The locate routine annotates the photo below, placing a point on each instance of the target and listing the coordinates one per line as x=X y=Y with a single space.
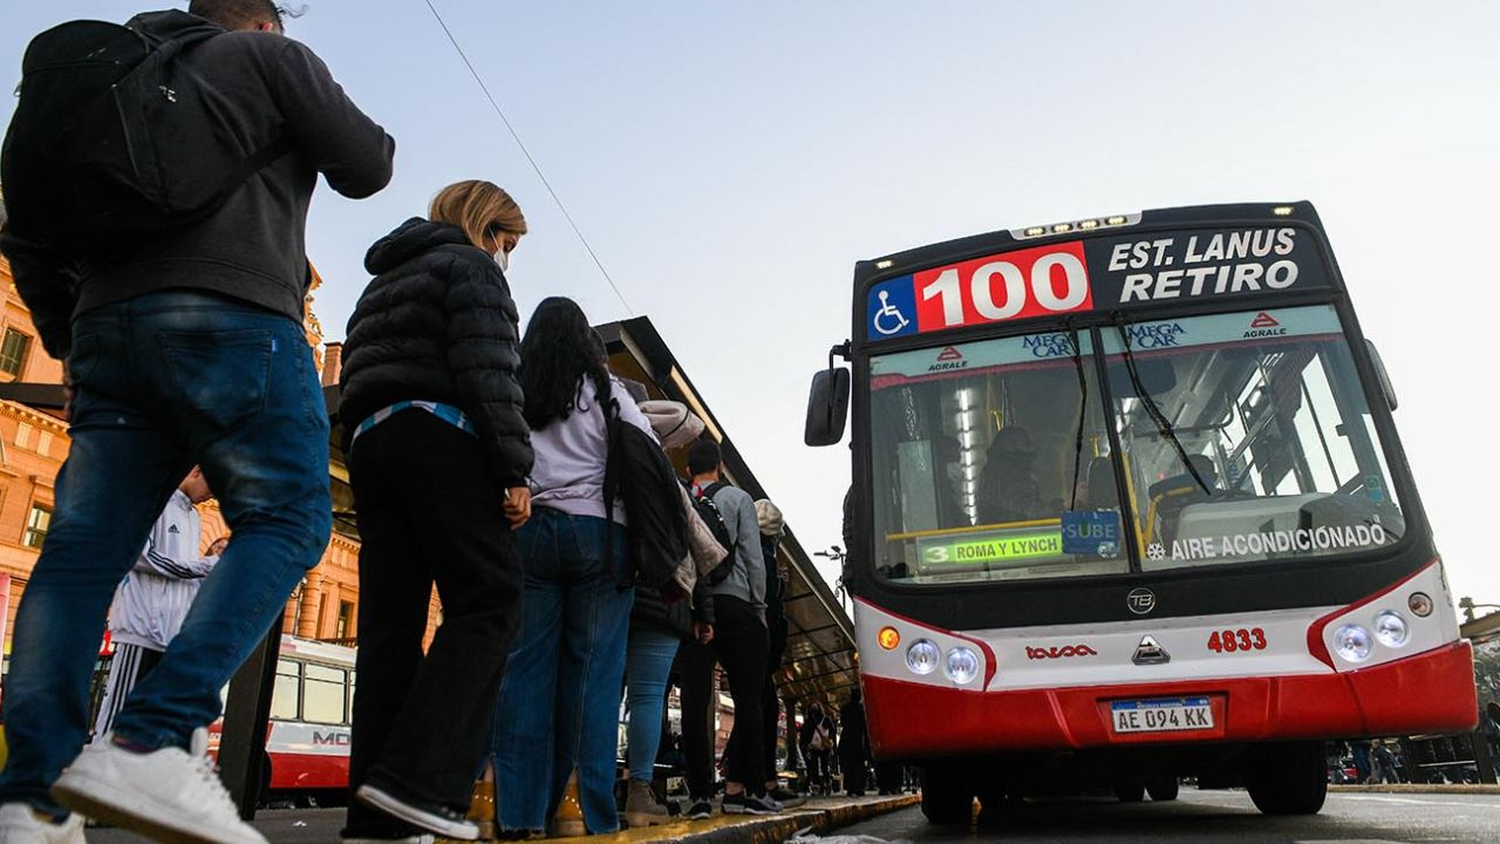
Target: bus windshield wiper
x=1163 y=425
x=1083 y=411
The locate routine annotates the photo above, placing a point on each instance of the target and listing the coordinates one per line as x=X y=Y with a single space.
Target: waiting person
x=854 y=744
x=437 y=446
x=560 y=700
x=772 y=526
x=188 y=349
x=739 y=643
x=658 y=625
x=817 y=740
x=154 y=598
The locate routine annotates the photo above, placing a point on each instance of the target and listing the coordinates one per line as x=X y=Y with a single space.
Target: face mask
x=502 y=259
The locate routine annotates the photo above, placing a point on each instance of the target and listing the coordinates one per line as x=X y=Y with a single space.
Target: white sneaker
x=169 y=794
x=410 y=839
x=20 y=825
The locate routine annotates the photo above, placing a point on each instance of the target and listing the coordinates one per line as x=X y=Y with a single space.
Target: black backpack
x=709 y=513
x=113 y=140
x=639 y=473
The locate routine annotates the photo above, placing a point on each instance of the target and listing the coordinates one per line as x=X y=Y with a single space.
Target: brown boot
x=482 y=809
x=568 y=822
x=641 y=808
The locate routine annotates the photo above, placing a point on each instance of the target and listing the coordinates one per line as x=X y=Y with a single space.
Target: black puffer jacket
x=437 y=323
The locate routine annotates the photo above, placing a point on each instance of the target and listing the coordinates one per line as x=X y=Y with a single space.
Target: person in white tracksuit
x=153 y=599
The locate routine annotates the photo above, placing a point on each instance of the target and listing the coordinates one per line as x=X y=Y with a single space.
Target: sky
x=729 y=162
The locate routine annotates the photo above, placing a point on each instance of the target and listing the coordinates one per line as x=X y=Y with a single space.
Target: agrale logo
x=1060 y=653
x=948 y=359
x=1264 y=325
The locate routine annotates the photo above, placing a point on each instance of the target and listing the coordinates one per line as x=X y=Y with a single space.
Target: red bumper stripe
x=1431 y=692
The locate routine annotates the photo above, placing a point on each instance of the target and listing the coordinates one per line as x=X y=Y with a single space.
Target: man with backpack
x=202 y=134
x=740 y=644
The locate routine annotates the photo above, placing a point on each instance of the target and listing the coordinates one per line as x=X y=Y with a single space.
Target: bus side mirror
x=1382 y=376
x=827 y=407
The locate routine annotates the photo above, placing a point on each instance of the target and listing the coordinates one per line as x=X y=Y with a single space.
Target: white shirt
x=155 y=596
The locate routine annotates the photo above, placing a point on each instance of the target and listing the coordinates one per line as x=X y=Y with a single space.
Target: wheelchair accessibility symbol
x=889 y=320
x=891 y=309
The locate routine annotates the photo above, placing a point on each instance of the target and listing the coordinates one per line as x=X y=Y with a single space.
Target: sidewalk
x=321 y=826
x=1420 y=788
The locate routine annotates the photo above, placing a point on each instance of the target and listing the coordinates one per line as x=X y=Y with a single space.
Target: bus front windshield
x=1247 y=436
x=976 y=448
x=1243 y=437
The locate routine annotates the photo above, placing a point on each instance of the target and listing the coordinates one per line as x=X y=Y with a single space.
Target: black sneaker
x=443 y=820
x=701 y=810
x=745 y=803
x=787 y=798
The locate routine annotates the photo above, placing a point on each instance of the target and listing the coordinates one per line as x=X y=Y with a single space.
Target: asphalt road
x=1216 y=816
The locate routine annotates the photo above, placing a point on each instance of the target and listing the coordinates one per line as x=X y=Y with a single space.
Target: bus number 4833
x=1229 y=641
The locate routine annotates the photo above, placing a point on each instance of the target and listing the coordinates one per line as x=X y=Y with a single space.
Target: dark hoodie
x=437 y=323
x=264 y=87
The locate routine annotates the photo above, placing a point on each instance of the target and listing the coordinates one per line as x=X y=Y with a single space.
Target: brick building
x=34 y=442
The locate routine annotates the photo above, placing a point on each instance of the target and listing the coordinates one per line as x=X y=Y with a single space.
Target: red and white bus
x=1129 y=505
x=307 y=742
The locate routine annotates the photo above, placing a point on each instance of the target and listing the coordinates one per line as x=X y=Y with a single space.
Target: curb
x=1418 y=788
x=772 y=830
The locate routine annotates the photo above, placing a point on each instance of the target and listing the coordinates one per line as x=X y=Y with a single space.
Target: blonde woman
x=438 y=448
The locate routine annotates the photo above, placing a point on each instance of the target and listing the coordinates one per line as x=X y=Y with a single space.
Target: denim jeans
x=166 y=381
x=648 y=663
x=559 y=703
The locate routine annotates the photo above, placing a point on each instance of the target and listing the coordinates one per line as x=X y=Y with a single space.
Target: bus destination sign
x=1103 y=274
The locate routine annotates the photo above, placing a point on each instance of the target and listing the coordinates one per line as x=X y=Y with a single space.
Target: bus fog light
x=1391 y=629
x=1420 y=604
x=1351 y=641
x=922 y=657
x=963 y=666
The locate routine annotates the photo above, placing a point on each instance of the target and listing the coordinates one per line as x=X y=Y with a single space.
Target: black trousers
x=853 y=762
x=740 y=645
x=770 y=700
x=430 y=511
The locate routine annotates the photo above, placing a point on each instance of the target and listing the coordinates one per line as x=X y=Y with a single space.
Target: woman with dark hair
x=438 y=450
x=560 y=700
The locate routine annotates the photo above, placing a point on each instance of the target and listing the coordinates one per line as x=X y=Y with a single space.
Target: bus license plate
x=1151 y=716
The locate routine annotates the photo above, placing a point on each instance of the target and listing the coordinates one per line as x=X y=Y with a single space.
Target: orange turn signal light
x=889 y=638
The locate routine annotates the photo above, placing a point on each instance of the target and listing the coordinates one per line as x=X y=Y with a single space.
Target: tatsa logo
x=1060 y=653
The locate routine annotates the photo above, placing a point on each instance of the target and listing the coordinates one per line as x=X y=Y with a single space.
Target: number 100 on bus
x=1025 y=283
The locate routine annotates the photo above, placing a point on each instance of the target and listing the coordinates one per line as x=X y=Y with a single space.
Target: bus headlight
x=963 y=666
x=1352 y=642
x=1391 y=629
x=922 y=657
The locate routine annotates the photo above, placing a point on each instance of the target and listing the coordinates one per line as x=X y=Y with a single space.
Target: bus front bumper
x=1432 y=692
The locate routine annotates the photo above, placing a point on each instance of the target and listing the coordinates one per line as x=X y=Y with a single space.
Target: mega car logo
x=1048 y=345
x=1155 y=335
x=1141 y=601
x=949 y=359
x=1264 y=325
x=1060 y=653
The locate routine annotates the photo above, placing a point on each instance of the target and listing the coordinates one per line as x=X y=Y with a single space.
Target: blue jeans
x=166 y=381
x=560 y=700
x=648 y=664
